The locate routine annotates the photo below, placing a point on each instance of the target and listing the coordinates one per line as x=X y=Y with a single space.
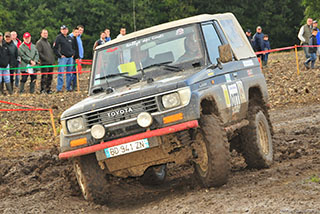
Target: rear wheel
x=212 y=164
x=91 y=178
x=154 y=175
x=257 y=139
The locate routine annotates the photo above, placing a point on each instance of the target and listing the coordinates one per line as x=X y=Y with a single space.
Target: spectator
x=76 y=56
x=29 y=57
x=4 y=66
x=304 y=35
x=266 y=45
x=100 y=41
x=63 y=49
x=107 y=32
x=46 y=56
x=312 y=50
x=249 y=37
x=315 y=25
x=13 y=50
x=122 y=32
x=258 y=41
x=15 y=39
x=17 y=42
x=79 y=40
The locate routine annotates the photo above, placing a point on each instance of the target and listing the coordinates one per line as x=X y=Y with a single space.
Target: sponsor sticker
x=241 y=92
x=247 y=63
x=226 y=95
x=228 y=77
x=235 y=98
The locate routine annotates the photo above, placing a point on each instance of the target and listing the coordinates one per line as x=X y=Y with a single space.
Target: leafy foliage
x=280 y=19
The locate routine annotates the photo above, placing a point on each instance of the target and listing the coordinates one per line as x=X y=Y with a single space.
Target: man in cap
x=46 y=58
x=4 y=66
x=63 y=49
x=249 y=37
x=29 y=58
x=304 y=35
x=13 y=56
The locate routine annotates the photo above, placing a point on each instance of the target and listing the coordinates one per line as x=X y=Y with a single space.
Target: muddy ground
x=34 y=180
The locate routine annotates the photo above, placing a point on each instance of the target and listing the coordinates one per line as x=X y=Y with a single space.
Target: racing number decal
x=234 y=95
x=235 y=98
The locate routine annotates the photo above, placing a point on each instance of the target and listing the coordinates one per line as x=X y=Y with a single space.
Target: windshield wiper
x=165 y=64
x=119 y=75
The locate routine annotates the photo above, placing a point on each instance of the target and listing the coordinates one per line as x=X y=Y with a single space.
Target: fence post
x=297 y=59
x=52 y=122
x=77 y=70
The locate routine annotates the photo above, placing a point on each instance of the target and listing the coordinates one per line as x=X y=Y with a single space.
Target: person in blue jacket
x=315 y=25
x=257 y=41
x=266 y=46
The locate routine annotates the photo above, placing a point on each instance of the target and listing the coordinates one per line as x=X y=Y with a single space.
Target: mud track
x=34 y=180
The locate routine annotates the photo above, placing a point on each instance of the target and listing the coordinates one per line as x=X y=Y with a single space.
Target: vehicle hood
x=127 y=93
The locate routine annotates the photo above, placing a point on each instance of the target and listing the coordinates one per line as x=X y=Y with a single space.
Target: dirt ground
x=34 y=180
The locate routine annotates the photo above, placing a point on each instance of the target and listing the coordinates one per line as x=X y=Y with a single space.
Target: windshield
x=146 y=54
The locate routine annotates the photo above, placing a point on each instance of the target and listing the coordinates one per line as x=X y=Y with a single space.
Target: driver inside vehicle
x=141 y=56
x=192 y=48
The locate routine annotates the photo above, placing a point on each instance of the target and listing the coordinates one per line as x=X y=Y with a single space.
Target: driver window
x=212 y=41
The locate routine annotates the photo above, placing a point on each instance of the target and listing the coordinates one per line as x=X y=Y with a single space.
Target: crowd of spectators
x=27 y=58
x=259 y=42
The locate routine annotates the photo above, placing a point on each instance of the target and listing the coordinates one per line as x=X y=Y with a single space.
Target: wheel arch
x=208 y=105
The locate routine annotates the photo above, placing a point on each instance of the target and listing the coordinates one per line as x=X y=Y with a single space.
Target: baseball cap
x=26 y=35
x=249 y=31
x=1 y=34
x=315 y=21
x=63 y=27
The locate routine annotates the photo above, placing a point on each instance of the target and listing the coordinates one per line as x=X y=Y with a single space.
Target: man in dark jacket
x=63 y=49
x=46 y=56
x=4 y=66
x=13 y=56
x=249 y=37
x=258 y=41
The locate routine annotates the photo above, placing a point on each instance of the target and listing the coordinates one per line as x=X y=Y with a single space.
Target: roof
x=161 y=27
x=228 y=22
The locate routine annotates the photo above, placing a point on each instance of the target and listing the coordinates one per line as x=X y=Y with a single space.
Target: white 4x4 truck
x=183 y=92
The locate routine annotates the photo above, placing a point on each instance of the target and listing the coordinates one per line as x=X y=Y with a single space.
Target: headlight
x=75 y=125
x=171 y=100
x=98 y=131
x=181 y=97
x=144 y=119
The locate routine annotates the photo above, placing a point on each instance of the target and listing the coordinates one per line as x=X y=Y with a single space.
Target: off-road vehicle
x=183 y=92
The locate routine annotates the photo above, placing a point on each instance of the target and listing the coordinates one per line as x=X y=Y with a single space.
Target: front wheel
x=257 y=139
x=91 y=178
x=212 y=163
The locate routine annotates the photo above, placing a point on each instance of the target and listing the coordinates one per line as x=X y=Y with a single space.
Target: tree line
x=281 y=20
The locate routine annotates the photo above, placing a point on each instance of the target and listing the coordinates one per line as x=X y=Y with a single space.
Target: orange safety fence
x=30 y=108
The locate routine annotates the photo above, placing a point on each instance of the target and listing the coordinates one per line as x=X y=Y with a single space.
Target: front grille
x=122 y=112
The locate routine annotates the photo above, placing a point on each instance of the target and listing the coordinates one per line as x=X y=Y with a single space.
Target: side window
x=212 y=41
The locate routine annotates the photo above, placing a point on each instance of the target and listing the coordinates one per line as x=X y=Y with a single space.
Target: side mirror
x=225 y=53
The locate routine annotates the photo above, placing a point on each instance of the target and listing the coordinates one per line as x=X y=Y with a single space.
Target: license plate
x=126 y=148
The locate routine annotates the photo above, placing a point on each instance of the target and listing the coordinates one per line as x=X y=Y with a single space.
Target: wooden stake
x=52 y=122
x=297 y=59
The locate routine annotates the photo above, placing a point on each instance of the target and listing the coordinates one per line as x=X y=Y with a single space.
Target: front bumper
x=116 y=142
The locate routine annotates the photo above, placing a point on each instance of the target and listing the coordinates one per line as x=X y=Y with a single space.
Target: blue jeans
x=6 y=73
x=312 y=59
x=64 y=61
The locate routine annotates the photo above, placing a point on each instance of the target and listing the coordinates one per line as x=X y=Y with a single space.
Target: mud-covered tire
x=91 y=178
x=213 y=168
x=256 y=139
x=154 y=175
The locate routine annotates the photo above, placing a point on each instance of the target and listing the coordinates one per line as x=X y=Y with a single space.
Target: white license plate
x=126 y=148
